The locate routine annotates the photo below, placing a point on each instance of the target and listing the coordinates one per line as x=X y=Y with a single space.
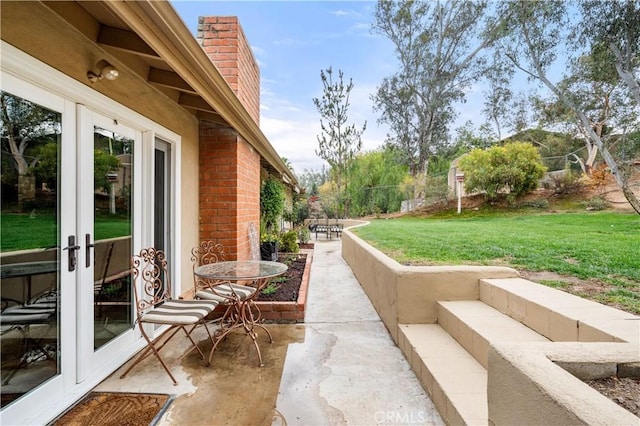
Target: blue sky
x=292 y=41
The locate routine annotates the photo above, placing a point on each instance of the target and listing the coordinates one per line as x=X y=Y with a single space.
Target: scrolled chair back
x=150 y=267
x=208 y=252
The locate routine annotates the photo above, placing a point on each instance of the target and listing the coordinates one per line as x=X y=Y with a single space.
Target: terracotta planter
x=292 y=311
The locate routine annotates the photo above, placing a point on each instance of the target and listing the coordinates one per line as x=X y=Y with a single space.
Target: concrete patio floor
x=339 y=367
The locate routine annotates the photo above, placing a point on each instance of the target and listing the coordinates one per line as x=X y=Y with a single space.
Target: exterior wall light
x=107 y=71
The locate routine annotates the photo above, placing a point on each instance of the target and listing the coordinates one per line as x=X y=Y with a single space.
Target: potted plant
x=269 y=246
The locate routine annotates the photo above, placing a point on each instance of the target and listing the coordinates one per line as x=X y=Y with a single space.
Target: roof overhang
x=151 y=36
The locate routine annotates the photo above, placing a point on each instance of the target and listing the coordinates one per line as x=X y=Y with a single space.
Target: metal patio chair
x=156 y=306
x=41 y=311
x=225 y=293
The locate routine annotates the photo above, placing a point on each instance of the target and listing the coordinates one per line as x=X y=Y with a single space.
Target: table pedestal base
x=241 y=316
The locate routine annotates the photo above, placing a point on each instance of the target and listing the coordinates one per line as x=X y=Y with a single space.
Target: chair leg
x=28 y=344
x=164 y=339
x=193 y=343
x=20 y=362
x=152 y=348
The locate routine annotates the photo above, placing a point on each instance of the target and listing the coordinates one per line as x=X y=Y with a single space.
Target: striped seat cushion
x=180 y=312
x=28 y=314
x=224 y=292
x=38 y=311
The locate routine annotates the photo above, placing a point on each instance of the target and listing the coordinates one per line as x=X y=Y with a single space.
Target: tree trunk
x=26 y=189
x=592 y=152
x=625 y=74
x=630 y=196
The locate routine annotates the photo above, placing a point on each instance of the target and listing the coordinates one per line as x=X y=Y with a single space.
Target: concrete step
x=453 y=379
x=475 y=325
x=560 y=316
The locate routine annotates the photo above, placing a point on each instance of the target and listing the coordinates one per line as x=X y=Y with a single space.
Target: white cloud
x=293 y=129
x=294 y=138
x=360 y=26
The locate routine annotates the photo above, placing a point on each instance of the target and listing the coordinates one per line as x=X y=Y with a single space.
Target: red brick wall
x=248 y=195
x=229 y=189
x=223 y=40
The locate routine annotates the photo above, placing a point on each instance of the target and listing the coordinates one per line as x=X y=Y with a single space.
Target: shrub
x=304 y=235
x=568 y=182
x=597 y=203
x=289 y=242
x=436 y=188
x=514 y=169
x=541 y=204
x=598 y=177
x=271 y=203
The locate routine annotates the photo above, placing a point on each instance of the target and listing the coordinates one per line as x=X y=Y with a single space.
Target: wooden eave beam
x=212 y=117
x=195 y=102
x=158 y=24
x=169 y=79
x=127 y=41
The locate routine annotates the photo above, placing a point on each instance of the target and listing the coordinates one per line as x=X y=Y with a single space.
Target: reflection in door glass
x=112 y=232
x=29 y=244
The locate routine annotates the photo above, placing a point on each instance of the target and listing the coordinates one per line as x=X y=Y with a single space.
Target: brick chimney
x=223 y=40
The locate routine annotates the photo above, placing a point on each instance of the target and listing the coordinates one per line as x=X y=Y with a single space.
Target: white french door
x=108 y=154
x=72 y=216
x=38 y=251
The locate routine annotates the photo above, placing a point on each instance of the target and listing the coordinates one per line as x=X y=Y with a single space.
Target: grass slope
x=604 y=246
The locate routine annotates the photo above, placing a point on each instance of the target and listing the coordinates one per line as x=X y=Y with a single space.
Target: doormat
x=116 y=409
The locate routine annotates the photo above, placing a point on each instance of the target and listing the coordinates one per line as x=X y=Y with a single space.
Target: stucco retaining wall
x=408 y=294
x=527 y=383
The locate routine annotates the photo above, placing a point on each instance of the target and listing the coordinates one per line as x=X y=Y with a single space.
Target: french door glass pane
x=113 y=159
x=29 y=246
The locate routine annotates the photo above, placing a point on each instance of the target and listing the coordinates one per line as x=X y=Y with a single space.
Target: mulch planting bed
x=287 y=285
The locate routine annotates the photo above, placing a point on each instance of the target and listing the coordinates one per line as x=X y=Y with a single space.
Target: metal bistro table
x=244 y=313
x=27 y=270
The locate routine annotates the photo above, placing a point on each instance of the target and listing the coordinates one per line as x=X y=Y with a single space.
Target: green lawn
x=604 y=246
x=24 y=231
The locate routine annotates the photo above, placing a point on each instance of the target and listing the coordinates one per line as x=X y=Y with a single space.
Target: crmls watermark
x=400 y=417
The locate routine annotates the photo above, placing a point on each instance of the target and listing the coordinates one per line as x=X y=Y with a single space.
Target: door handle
x=88 y=247
x=72 y=247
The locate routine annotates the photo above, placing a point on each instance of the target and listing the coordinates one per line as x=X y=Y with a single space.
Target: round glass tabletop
x=241 y=270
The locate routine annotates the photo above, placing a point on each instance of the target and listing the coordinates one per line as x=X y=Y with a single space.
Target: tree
x=339 y=141
x=558 y=150
x=375 y=182
x=468 y=138
x=514 y=169
x=311 y=179
x=24 y=124
x=519 y=117
x=593 y=85
x=103 y=164
x=46 y=168
x=536 y=33
x=616 y=24
x=438 y=45
x=287 y=163
x=328 y=193
x=499 y=94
